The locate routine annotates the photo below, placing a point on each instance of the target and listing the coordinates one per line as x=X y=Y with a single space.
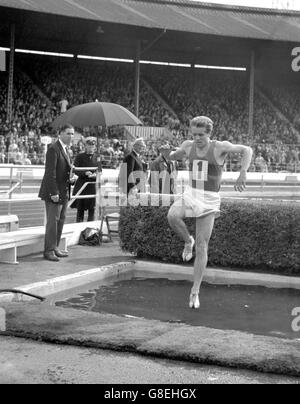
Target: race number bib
x=200 y=170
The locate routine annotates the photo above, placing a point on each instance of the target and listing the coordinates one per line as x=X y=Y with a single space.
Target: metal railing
x=15 y=183
x=100 y=210
x=16 y=176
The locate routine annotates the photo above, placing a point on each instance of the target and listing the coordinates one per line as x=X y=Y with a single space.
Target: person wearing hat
x=163 y=172
x=86 y=159
x=201 y=198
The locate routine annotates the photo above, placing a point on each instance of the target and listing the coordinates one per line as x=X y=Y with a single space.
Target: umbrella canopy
x=96 y=114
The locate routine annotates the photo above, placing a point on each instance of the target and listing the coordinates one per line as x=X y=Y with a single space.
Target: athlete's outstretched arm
x=246 y=154
x=180 y=153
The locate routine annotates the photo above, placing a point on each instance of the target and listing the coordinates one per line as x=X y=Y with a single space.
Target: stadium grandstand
x=165 y=60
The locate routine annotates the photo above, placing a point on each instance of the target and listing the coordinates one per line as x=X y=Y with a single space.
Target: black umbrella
x=97 y=114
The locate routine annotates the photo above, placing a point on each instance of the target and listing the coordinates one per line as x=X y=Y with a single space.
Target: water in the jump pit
x=257 y=310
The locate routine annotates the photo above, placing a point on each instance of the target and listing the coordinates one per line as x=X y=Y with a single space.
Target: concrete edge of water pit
x=68 y=282
x=218 y=276
x=150 y=269
x=147 y=337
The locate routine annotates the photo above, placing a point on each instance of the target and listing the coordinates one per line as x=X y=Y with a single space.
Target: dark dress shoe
x=51 y=257
x=60 y=254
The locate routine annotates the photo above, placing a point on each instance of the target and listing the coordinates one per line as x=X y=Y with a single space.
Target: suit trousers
x=56 y=215
x=80 y=215
x=82 y=205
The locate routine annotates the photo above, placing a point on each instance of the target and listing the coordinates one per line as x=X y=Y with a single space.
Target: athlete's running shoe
x=187 y=254
x=194 y=301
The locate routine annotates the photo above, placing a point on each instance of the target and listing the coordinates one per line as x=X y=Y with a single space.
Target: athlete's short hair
x=202 y=122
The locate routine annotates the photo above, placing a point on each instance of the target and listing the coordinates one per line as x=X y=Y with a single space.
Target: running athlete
x=201 y=198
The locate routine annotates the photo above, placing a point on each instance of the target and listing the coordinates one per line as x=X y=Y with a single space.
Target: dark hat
x=91 y=140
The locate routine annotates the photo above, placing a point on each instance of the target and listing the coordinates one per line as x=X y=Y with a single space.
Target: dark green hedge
x=250 y=235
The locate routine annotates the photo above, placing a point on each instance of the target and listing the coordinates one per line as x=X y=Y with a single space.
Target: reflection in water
x=84 y=301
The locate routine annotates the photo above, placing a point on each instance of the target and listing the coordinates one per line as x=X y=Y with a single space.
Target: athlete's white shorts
x=199 y=203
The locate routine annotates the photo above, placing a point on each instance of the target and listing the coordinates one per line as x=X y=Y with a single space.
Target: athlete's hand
x=165 y=150
x=240 y=184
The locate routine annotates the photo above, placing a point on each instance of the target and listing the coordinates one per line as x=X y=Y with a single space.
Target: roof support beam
x=154 y=41
x=137 y=78
x=251 y=95
x=11 y=73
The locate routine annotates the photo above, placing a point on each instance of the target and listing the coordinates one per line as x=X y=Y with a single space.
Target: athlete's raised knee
x=174 y=215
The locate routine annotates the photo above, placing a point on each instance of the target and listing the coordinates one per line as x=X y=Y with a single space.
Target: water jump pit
x=253 y=309
x=146 y=312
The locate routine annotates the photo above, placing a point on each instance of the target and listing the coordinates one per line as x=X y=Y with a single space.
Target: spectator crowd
x=169 y=97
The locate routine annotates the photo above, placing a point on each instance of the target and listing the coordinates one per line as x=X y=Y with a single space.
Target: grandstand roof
x=177 y=15
x=179 y=31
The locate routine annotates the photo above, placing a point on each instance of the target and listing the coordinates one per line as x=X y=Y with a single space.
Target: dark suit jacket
x=135 y=167
x=160 y=183
x=56 y=179
x=85 y=160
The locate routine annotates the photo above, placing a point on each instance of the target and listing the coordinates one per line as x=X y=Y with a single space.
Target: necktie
x=68 y=154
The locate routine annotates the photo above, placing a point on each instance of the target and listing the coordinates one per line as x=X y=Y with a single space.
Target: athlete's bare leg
x=204 y=227
x=175 y=218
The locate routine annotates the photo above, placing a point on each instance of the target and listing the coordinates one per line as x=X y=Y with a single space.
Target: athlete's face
x=200 y=136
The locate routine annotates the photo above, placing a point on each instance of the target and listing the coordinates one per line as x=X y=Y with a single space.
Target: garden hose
x=23 y=293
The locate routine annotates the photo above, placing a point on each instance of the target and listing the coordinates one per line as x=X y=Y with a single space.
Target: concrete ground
x=198 y=349
x=35 y=269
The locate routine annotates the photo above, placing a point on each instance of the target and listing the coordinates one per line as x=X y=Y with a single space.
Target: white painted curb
x=219 y=276
x=150 y=270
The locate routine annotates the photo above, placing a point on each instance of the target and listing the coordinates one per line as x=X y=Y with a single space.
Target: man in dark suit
x=133 y=171
x=55 y=191
x=86 y=159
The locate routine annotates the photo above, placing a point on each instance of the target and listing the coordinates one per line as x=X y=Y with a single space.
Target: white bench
x=8 y=251
x=25 y=242
x=292 y=179
x=9 y=223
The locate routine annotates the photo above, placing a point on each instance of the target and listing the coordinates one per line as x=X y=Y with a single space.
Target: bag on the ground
x=91 y=237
